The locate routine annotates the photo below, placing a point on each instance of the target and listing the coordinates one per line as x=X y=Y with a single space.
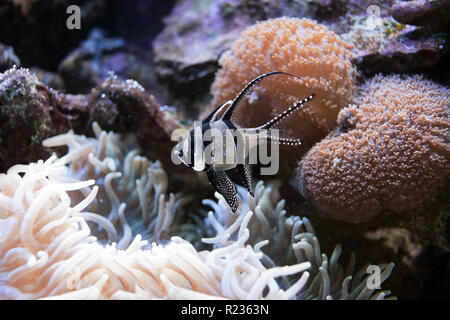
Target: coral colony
x=302 y=47
x=93 y=205
x=399 y=130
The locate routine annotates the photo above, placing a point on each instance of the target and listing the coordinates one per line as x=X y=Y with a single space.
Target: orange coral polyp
x=298 y=46
x=389 y=153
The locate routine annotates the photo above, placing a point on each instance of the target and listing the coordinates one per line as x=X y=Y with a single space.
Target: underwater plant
x=389 y=152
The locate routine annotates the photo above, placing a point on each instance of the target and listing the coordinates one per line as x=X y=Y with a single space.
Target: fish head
x=189 y=149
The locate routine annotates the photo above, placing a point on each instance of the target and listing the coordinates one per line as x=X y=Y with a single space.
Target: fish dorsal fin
x=285 y=141
x=286 y=113
x=279 y=140
x=213 y=115
x=229 y=113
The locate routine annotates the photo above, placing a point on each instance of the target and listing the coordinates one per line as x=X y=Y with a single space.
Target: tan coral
x=390 y=153
x=298 y=46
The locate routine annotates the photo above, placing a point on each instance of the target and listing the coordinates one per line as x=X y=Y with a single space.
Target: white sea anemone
x=290 y=240
x=47 y=249
x=59 y=236
x=131 y=186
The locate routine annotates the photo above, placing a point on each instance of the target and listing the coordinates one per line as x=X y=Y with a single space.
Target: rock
x=91 y=63
x=28 y=114
x=37 y=29
x=198 y=31
x=124 y=106
x=75 y=108
x=82 y=69
x=146 y=17
x=384 y=45
x=402 y=55
x=31 y=112
x=422 y=12
x=50 y=79
x=8 y=58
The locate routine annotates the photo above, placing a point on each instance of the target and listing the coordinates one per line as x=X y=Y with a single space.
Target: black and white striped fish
x=196 y=148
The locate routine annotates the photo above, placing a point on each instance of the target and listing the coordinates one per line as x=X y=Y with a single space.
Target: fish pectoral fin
x=245 y=171
x=223 y=184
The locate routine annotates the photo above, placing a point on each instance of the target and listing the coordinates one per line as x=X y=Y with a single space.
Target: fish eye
x=180 y=153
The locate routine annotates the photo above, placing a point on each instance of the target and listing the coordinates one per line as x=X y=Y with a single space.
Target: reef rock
x=28 y=114
x=50 y=79
x=31 y=112
x=75 y=108
x=8 y=58
x=187 y=57
x=81 y=69
x=422 y=12
x=90 y=64
x=402 y=55
x=126 y=107
x=384 y=45
x=38 y=32
x=197 y=32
